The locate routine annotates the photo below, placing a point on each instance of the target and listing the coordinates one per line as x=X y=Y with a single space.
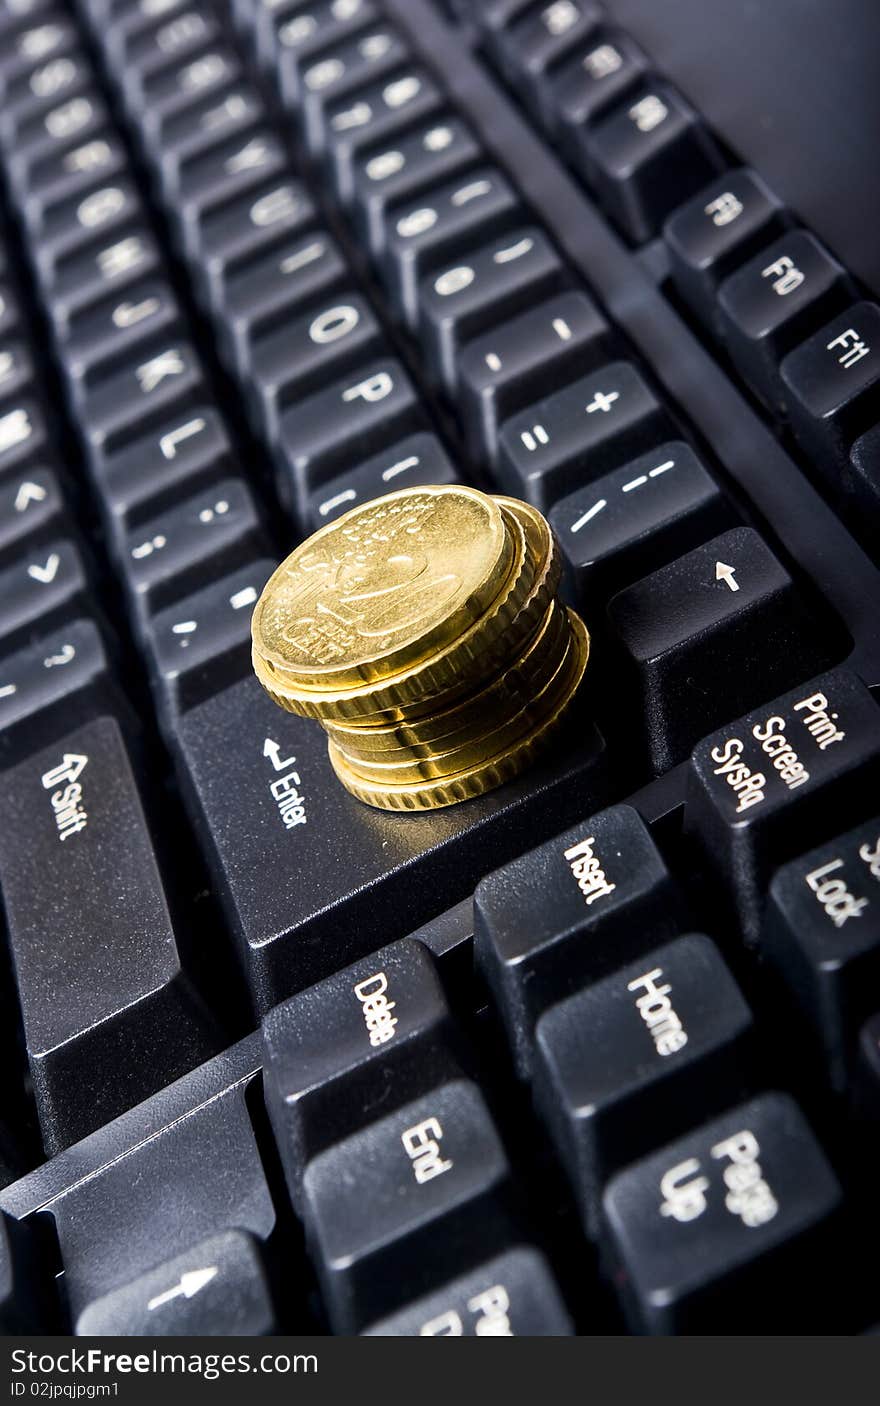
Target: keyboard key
x=211 y=183
x=385 y=175
x=573 y=436
x=307 y=351
x=446 y=221
x=318 y=917
x=172 y=137
x=730 y=598
x=31 y=507
x=302 y=38
x=822 y=933
x=419 y=459
x=23 y=437
x=638 y=1058
x=167 y=381
x=218 y=1288
x=102 y=334
x=510 y=1296
x=270 y=290
x=206 y=536
x=319 y=437
x=563 y=915
x=832 y=384
x=338 y=71
x=163 y=467
x=503 y=369
x=539 y=41
x=492 y=284
x=719 y=229
x=394 y=1208
x=374 y=1036
x=770 y=786
x=43 y=587
x=636 y=519
x=108 y=1014
x=203 y=1169
x=371 y=115
x=235 y=235
x=16 y=370
x=861 y=477
x=83 y=278
x=646 y=158
x=202 y=643
x=728 y=1227
x=73 y=223
x=68 y=172
x=64 y=674
x=774 y=301
x=605 y=68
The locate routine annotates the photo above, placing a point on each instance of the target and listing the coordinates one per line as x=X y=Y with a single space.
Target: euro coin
x=424 y=632
x=382 y=587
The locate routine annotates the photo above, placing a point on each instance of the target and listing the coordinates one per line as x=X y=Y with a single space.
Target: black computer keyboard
x=599 y=1051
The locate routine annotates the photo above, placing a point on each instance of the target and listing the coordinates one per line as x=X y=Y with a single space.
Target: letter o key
x=334 y=323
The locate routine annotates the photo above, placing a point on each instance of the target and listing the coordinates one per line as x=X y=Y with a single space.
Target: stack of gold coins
x=423 y=631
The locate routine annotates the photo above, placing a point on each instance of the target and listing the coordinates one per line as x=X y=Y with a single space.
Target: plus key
x=569 y=438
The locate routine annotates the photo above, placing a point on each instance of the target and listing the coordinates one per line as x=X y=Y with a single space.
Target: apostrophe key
x=732 y=1225
x=108 y=1012
x=406 y=1204
x=641 y=1055
x=822 y=933
x=561 y=916
x=773 y=784
x=368 y=1039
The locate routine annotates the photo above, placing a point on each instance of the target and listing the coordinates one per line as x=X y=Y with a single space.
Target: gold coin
x=485 y=775
x=498 y=733
x=508 y=692
x=382 y=588
x=449 y=671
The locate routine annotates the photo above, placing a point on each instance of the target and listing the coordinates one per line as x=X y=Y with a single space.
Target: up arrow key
x=725 y=573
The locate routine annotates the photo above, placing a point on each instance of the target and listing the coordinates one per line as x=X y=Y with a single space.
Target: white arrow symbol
x=273 y=752
x=28 y=493
x=725 y=573
x=190 y=1283
x=47 y=573
x=68 y=769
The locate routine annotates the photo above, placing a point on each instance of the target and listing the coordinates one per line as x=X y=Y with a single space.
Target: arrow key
x=679 y=629
x=218 y=1288
x=41 y=589
x=30 y=511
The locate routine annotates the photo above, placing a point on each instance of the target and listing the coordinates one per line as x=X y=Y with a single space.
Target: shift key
x=108 y=1014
